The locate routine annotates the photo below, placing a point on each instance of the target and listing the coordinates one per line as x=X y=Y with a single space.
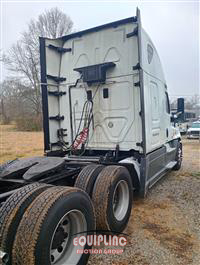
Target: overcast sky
x=172 y=26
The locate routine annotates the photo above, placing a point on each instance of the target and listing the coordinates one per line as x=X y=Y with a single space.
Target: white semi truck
x=107 y=137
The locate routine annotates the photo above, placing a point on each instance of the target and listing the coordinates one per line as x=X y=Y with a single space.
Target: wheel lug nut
x=65 y=222
x=52 y=258
x=66 y=234
x=60 y=249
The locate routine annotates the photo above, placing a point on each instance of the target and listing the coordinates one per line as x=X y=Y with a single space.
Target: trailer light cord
x=82 y=136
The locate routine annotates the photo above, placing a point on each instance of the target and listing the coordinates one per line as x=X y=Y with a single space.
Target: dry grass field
x=15 y=144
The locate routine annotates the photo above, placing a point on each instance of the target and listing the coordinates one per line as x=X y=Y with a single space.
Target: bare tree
x=17 y=104
x=10 y=101
x=23 y=58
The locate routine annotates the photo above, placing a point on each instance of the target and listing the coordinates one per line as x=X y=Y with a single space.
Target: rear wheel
x=12 y=211
x=87 y=177
x=46 y=232
x=112 y=197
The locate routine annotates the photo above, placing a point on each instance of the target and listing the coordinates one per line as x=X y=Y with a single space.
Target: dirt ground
x=164 y=228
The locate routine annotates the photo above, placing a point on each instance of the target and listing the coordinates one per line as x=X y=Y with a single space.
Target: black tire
x=87 y=177
x=105 y=186
x=179 y=156
x=12 y=211
x=34 y=236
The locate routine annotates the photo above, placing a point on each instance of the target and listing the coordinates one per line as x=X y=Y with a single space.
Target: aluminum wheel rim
x=71 y=223
x=121 y=200
x=179 y=156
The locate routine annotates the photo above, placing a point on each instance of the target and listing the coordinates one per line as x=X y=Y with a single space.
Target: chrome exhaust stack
x=3 y=258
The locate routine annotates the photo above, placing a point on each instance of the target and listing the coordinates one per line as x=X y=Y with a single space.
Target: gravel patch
x=164 y=228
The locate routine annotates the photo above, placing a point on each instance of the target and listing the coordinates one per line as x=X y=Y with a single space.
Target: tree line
x=20 y=92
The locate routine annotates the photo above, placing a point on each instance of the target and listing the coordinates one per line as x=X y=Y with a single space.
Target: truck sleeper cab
x=116 y=70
